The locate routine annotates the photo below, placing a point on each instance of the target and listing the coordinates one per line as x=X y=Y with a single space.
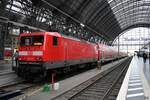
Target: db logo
x=29 y=52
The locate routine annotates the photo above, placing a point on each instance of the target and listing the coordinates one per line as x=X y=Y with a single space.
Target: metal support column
x=149 y=52
x=2 y=39
x=118 y=46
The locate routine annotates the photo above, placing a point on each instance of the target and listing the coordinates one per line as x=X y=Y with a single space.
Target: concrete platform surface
x=136 y=85
x=67 y=84
x=5 y=66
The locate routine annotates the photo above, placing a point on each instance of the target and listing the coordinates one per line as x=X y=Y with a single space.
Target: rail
x=97 y=87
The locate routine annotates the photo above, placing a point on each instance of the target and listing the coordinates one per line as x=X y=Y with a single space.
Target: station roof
x=108 y=17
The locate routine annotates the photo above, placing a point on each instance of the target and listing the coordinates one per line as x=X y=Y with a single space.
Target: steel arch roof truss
x=102 y=19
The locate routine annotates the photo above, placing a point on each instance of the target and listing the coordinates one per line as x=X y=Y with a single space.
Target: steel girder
x=107 y=17
x=92 y=14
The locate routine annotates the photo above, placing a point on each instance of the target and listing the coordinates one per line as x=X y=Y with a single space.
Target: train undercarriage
x=34 y=70
x=30 y=71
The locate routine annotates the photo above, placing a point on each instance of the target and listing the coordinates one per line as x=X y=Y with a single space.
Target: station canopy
x=108 y=17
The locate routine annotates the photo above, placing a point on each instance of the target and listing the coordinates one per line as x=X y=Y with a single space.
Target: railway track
x=12 y=86
x=114 y=90
x=103 y=86
x=13 y=90
x=9 y=79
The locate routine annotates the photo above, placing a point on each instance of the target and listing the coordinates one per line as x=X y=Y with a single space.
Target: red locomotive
x=43 y=51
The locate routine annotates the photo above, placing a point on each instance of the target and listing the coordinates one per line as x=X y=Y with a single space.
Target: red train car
x=7 y=53
x=105 y=53
x=108 y=53
x=42 y=51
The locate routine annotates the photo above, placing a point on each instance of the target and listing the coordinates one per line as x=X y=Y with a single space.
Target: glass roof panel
x=133 y=40
x=130 y=12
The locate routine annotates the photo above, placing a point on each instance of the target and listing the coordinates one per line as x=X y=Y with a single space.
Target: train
x=44 y=52
x=7 y=53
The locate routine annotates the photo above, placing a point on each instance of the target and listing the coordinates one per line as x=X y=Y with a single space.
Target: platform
x=136 y=85
x=68 y=83
x=5 y=66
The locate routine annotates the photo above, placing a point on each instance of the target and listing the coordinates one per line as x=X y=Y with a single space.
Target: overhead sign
x=14 y=31
x=137 y=39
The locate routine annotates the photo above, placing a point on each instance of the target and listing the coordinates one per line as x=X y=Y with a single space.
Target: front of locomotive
x=31 y=54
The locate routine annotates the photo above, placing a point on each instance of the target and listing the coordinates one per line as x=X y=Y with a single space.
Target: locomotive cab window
x=25 y=41
x=37 y=40
x=55 y=41
x=32 y=40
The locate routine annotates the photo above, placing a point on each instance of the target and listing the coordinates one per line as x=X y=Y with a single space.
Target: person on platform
x=15 y=56
x=144 y=57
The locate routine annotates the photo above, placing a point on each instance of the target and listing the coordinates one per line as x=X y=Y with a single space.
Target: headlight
x=23 y=53
x=37 y=53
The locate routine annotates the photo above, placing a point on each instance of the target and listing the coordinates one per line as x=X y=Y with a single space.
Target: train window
x=37 y=40
x=55 y=41
x=25 y=41
x=32 y=40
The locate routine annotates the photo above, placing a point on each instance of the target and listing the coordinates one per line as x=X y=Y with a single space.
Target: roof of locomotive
x=53 y=34
x=41 y=33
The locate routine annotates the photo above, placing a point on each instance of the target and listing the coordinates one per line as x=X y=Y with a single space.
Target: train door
x=66 y=52
x=99 y=54
x=66 y=56
x=102 y=56
x=55 y=50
